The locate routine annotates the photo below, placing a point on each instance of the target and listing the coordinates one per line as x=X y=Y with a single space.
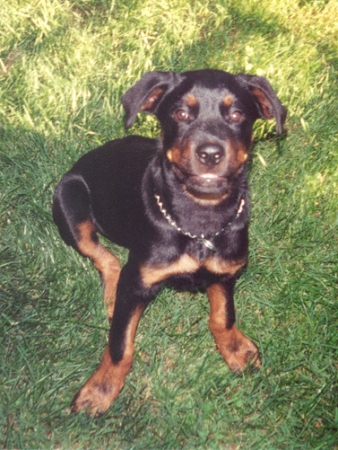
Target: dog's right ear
x=147 y=93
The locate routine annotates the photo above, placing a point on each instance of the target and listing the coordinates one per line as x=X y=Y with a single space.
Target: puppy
x=179 y=204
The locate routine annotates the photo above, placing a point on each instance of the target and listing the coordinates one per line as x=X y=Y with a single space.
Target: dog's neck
x=200 y=238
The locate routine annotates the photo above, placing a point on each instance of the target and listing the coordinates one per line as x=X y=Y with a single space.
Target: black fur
x=199 y=171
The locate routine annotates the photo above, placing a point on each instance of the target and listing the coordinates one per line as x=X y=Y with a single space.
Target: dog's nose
x=210 y=154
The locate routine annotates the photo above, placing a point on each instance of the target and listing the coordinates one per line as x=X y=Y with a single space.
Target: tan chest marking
x=222 y=267
x=187 y=264
x=154 y=274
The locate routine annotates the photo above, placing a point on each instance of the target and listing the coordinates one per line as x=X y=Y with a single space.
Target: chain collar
x=201 y=238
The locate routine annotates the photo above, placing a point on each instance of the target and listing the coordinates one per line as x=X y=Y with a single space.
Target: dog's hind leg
x=72 y=214
x=104 y=261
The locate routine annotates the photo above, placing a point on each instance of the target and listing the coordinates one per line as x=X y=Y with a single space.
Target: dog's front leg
x=103 y=387
x=234 y=346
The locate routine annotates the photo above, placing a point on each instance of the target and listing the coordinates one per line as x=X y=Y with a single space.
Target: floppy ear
x=146 y=94
x=267 y=102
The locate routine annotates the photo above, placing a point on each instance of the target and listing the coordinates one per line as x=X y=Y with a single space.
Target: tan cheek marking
x=231 y=158
x=220 y=266
x=242 y=155
x=238 y=155
x=170 y=155
x=151 y=275
x=178 y=155
x=174 y=155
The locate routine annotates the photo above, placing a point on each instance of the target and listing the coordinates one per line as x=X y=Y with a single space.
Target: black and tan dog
x=179 y=204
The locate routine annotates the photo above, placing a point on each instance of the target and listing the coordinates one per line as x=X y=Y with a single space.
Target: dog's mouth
x=208 y=179
x=205 y=185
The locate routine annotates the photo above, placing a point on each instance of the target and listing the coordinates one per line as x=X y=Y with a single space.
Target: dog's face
x=206 y=132
x=206 y=118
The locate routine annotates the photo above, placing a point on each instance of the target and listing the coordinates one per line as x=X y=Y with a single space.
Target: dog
x=179 y=204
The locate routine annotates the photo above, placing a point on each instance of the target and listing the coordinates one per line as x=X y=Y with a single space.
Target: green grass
x=63 y=67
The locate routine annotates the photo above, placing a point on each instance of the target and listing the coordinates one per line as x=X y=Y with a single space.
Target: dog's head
x=206 y=118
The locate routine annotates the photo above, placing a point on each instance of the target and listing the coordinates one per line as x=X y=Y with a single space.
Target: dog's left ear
x=147 y=93
x=267 y=102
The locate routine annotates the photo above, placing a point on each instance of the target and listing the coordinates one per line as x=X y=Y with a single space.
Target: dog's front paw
x=102 y=388
x=239 y=351
x=95 y=398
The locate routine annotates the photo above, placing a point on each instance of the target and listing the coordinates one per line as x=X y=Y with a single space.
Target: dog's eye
x=236 y=116
x=181 y=115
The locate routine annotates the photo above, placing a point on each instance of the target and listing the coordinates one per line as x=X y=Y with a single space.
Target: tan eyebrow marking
x=228 y=101
x=191 y=100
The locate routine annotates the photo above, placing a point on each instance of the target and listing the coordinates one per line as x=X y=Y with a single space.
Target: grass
x=63 y=67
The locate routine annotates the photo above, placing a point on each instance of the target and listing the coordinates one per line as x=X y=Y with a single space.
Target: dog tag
x=208 y=244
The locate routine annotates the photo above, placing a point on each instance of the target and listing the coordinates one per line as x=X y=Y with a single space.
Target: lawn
x=63 y=68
